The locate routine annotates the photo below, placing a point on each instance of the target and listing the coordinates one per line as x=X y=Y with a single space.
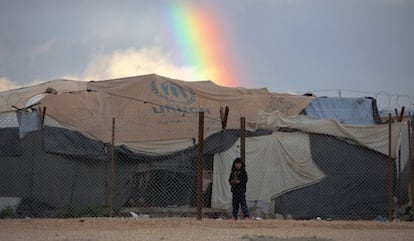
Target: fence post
x=399 y=119
x=243 y=139
x=399 y=179
x=410 y=163
x=389 y=169
x=200 y=161
x=112 y=170
x=42 y=122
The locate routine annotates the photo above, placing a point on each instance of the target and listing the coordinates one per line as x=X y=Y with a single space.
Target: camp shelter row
x=55 y=154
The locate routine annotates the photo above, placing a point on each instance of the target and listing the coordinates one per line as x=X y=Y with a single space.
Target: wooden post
x=112 y=170
x=400 y=119
x=389 y=169
x=43 y=117
x=397 y=116
x=243 y=139
x=226 y=116
x=223 y=116
x=200 y=161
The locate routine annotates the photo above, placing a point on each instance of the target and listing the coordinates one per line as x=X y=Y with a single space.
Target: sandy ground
x=124 y=229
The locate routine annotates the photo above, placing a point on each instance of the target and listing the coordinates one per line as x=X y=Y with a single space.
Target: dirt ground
x=180 y=229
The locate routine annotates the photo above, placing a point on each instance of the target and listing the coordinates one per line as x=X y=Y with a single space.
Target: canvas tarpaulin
x=372 y=136
x=154 y=108
x=275 y=164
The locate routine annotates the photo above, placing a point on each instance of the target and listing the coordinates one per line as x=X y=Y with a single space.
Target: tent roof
x=157 y=108
x=21 y=97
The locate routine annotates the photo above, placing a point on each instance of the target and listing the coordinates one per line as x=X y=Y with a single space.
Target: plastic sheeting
x=59 y=168
x=275 y=164
x=355 y=111
x=10 y=144
x=28 y=121
x=66 y=142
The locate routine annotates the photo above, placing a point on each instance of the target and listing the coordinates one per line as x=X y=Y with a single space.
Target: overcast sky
x=359 y=46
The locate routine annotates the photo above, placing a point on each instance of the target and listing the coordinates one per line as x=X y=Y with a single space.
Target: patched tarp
x=152 y=108
x=275 y=164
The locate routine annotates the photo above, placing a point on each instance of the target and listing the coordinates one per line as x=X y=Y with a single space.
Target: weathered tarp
x=153 y=108
x=275 y=164
x=355 y=186
x=372 y=136
x=57 y=168
x=22 y=96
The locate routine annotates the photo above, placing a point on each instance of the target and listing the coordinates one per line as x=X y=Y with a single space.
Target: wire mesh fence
x=52 y=170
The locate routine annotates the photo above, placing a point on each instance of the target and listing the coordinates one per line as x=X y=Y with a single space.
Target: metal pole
x=200 y=162
x=399 y=179
x=389 y=169
x=112 y=170
x=243 y=139
x=410 y=163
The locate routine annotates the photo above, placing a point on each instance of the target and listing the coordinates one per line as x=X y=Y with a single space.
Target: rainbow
x=203 y=44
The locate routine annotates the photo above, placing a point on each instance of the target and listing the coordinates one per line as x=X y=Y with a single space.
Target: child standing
x=238 y=180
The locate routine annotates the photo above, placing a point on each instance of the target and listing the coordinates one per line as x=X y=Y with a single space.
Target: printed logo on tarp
x=172 y=92
x=177 y=97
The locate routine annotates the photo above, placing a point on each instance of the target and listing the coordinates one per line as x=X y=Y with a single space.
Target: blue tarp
x=353 y=111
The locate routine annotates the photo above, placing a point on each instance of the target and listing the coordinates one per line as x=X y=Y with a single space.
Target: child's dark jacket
x=238 y=175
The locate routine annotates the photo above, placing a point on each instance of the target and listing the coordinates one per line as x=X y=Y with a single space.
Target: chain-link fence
x=50 y=170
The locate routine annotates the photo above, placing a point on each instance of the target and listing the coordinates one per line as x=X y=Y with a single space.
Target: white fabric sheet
x=275 y=164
